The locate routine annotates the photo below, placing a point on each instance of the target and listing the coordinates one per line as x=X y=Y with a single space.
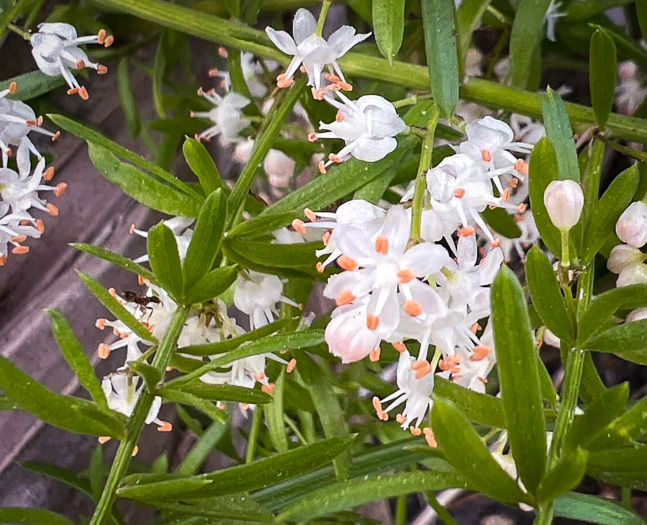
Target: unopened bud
x=564 y=201
x=639 y=314
x=623 y=256
x=631 y=227
x=634 y=274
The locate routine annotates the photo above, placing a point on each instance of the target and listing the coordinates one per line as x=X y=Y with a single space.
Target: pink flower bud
x=631 y=227
x=623 y=256
x=348 y=336
x=564 y=201
x=634 y=274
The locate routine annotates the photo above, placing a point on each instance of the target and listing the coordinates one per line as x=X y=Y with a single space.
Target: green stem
x=253 y=434
x=8 y=15
x=442 y=512
x=565 y=258
x=322 y=17
x=138 y=418
x=401 y=511
x=421 y=179
x=626 y=497
x=228 y=33
x=24 y=34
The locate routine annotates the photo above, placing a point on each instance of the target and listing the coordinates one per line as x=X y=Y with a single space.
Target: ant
x=142 y=300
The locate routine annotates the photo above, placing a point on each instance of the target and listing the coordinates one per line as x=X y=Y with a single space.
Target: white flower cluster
x=255 y=295
x=435 y=292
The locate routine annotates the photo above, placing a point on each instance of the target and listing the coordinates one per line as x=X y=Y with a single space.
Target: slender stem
x=626 y=497
x=421 y=179
x=295 y=429
x=401 y=511
x=9 y=14
x=24 y=34
x=442 y=512
x=253 y=434
x=322 y=17
x=138 y=418
x=565 y=258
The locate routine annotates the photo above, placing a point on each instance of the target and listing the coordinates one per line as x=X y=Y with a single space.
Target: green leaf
x=32 y=516
x=211 y=511
x=564 y=476
x=602 y=78
x=187 y=399
x=68 y=477
x=525 y=38
x=547 y=296
x=519 y=378
x=442 y=55
x=466 y=451
x=247 y=478
x=159 y=67
x=142 y=187
x=92 y=136
x=641 y=11
x=213 y=284
x=270 y=344
x=115 y=258
x=593 y=509
x=388 y=26
x=598 y=416
x=468 y=16
x=202 y=165
x=480 y=408
x=66 y=412
x=165 y=260
x=252 y=228
x=116 y=307
x=127 y=99
x=151 y=375
x=274 y=416
x=95 y=472
x=607 y=304
x=501 y=222
x=76 y=357
x=31 y=85
x=628 y=337
x=8 y=404
x=356 y=492
x=607 y=211
x=298 y=255
x=202 y=449
x=560 y=135
x=222 y=393
x=228 y=345
x=331 y=414
x=627 y=427
x=542 y=171
x=203 y=248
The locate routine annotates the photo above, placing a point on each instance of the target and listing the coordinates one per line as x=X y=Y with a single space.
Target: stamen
x=522 y=208
x=513 y=183
x=320 y=267
x=283 y=82
x=101 y=69
x=486 y=155
x=399 y=346
x=72 y=91
x=102 y=36
x=429 y=437
x=335 y=158
x=49 y=173
x=506 y=195
x=103 y=439
x=372 y=321
x=165 y=427
x=291 y=366
x=326 y=238
x=56 y=136
x=374 y=355
x=339 y=117
x=322 y=167
x=400 y=418
x=423 y=370
x=60 y=189
x=495 y=243
x=312 y=216
x=135 y=451
x=213 y=72
x=101 y=323
x=12 y=87
x=406 y=276
x=268 y=389
x=331 y=77
x=80 y=64
x=19 y=238
x=413 y=308
x=299 y=226
x=318 y=94
x=347 y=263
x=415 y=430
x=312 y=137
x=382 y=245
x=480 y=352
x=3 y=260
x=521 y=167
x=459 y=193
x=40 y=225
x=20 y=250
x=259 y=376
x=302 y=69
x=466 y=231
x=52 y=210
x=30 y=123
x=140 y=280
x=103 y=351
x=109 y=41
x=223 y=52
x=83 y=93
x=346 y=297
x=345 y=85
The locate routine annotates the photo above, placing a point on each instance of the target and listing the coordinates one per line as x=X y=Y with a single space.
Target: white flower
x=564 y=201
x=631 y=227
x=226 y=115
x=552 y=15
x=14 y=229
x=17 y=119
x=55 y=49
x=122 y=393
x=256 y=294
x=367 y=126
x=639 y=314
x=633 y=274
x=630 y=91
x=623 y=256
x=180 y=226
x=312 y=50
x=20 y=191
x=413 y=390
x=526 y=130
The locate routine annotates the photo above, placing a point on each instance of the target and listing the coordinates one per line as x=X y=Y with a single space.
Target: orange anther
x=322 y=167
x=83 y=93
x=415 y=430
x=400 y=418
x=213 y=72
x=335 y=158
x=56 y=136
x=372 y=321
x=345 y=85
x=299 y=226
x=339 y=117
x=326 y=238
x=331 y=77
x=320 y=267
x=20 y=250
x=40 y=121
x=413 y=308
x=283 y=82
x=60 y=189
x=80 y=64
x=223 y=52
x=418 y=364
x=135 y=451
x=19 y=238
x=480 y=352
x=112 y=292
x=311 y=216
x=40 y=226
x=376 y=404
x=521 y=167
x=103 y=351
x=243 y=406
x=8 y=152
x=72 y=91
x=382 y=245
x=302 y=69
x=140 y=280
x=384 y=416
x=346 y=297
x=486 y=155
x=495 y=243
x=406 y=276
x=101 y=69
x=291 y=366
x=347 y=263
x=101 y=323
x=318 y=94
x=165 y=427
x=333 y=87
x=423 y=371
x=109 y=41
x=506 y=195
x=429 y=437
x=102 y=36
x=30 y=123
x=3 y=260
x=103 y=439
x=466 y=231
x=475 y=328
x=399 y=346
x=12 y=87
x=522 y=208
x=374 y=355
x=482 y=380
x=459 y=193
x=49 y=173
x=52 y=210
x=259 y=376
x=512 y=183
x=312 y=137
x=268 y=389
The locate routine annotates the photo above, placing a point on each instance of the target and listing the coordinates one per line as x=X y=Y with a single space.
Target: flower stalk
x=136 y=423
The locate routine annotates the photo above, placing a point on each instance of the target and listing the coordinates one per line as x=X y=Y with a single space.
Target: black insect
x=144 y=301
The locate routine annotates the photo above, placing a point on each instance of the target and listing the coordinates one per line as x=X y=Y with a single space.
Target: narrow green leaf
x=32 y=85
x=388 y=26
x=564 y=476
x=151 y=375
x=560 y=135
x=598 y=416
x=185 y=398
x=247 y=478
x=165 y=259
x=203 y=248
x=468 y=16
x=274 y=416
x=66 y=412
x=466 y=451
x=627 y=427
x=115 y=258
x=481 y=408
x=127 y=99
x=607 y=304
x=32 y=516
x=202 y=165
x=607 y=211
x=641 y=11
x=547 y=296
x=501 y=222
x=594 y=509
x=211 y=511
x=625 y=460
x=542 y=171
x=141 y=187
x=628 y=337
x=519 y=378
x=252 y=228
x=95 y=472
x=353 y=493
x=298 y=255
x=159 y=68
x=525 y=38
x=442 y=55
x=222 y=393
x=602 y=78
x=116 y=308
x=213 y=284
x=8 y=404
x=205 y=445
x=76 y=357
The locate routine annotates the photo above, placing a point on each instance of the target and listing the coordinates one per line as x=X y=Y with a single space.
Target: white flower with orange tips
x=226 y=115
x=257 y=294
x=15 y=228
x=122 y=392
x=55 y=48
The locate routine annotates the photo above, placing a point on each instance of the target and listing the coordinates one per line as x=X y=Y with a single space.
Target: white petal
x=372 y=150
x=304 y=25
x=282 y=40
x=425 y=259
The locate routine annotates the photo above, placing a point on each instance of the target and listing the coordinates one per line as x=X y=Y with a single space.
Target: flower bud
x=623 y=256
x=564 y=201
x=631 y=227
x=634 y=274
x=347 y=335
x=639 y=314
